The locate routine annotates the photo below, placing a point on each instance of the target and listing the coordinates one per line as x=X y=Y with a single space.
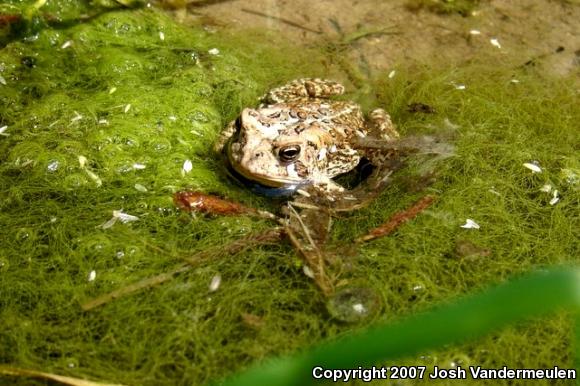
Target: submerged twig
x=315 y=261
x=18 y=372
x=302 y=238
x=366 y=33
x=8 y=19
x=282 y=20
x=205 y=3
x=192 y=201
x=397 y=219
x=135 y=287
x=234 y=247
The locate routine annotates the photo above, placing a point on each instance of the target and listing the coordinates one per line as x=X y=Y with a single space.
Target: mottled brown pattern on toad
x=299 y=137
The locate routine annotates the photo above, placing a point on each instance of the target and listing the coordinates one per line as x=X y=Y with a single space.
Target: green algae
x=537 y=294
x=137 y=96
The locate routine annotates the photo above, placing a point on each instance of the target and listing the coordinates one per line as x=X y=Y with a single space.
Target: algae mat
x=103 y=121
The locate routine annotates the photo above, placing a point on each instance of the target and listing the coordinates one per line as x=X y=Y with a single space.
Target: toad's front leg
x=224 y=136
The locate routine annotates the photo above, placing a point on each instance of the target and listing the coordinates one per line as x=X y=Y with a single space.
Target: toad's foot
x=383 y=126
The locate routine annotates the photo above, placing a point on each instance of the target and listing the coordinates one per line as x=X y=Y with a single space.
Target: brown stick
x=282 y=20
x=315 y=261
x=6 y=19
x=141 y=284
x=271 y=236
x=398 y=219
x=310 y=251
x=18 y=372
x=192 y=201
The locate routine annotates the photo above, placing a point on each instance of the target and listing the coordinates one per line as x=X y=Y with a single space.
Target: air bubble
x=23 y=234
x=97 y=245
x=53 y=165
x=75 y=181
x=124 y=166
x=132 y=250
x=354 y=304
x=199 y=116
x=161 y=145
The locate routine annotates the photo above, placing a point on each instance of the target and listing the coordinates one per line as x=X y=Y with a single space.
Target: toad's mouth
x=262 y=184
x=262 y=179
x=267 y=180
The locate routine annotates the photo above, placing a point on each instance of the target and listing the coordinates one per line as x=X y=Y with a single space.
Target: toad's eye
x=289 y=153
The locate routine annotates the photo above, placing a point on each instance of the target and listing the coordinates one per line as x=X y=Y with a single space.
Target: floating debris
x=127 y=108
x=474 y=32
x=555 y=198
x=418 y=107
x=418 y=288
x=470 y=224
x=459 y=86
x=140 y=188
x=533 y=167
x=213 y=51
x=92 y=275
x=95 y=178
x=359 y=308
x=112 y=90
x=308 y=271
x=124 y=217
x=494 y=42
x=493 y=191
x=3 y=81
x=118 y=215
x=546 y=188
x=161 y=36
x=215 y=283
x=3 y=131
x=187 y=166
x=138 y=166
x=67 y=44
x=514 y=81
x=392 y=74
x=77 y=117
x=83 y=163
